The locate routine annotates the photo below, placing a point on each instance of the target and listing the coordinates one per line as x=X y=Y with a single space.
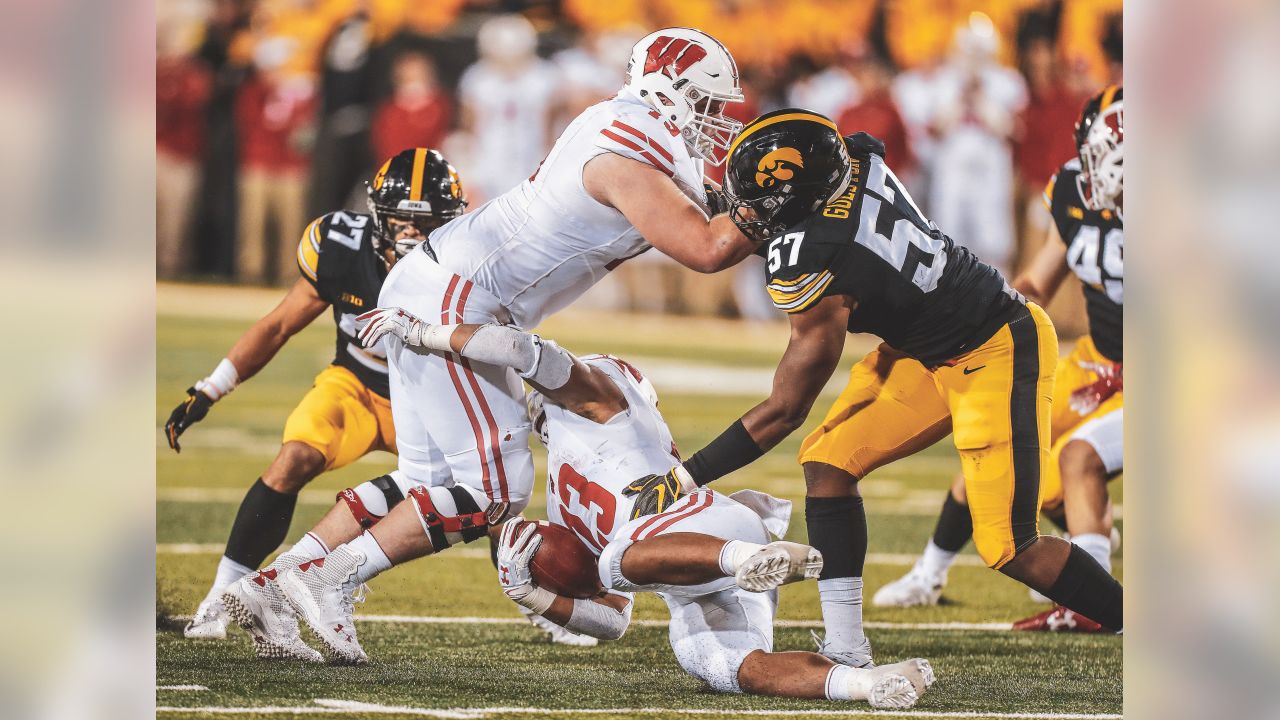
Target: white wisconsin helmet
x=1100 y=139
x=688 y=77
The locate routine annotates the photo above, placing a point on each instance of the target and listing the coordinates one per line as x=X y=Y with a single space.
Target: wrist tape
x=221 y=381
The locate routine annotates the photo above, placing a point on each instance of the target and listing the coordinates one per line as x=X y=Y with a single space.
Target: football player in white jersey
x=707 y=555
x=625 y=176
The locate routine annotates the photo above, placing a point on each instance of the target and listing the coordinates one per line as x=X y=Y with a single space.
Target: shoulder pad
x=799 y=271
x=861 y=143
x=1064 y=181
x=642 y=136
x=309 y=250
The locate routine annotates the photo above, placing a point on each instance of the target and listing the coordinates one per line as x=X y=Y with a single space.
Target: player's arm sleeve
x=802 y=276
x=1047 y=197
x=599 y=620
x=309 y=252
x=640 y=138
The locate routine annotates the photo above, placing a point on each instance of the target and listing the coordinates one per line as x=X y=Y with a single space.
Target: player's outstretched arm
x=664 y=215
x=817 y=339
x=1042 y=278
x=549 y=368
x=250 y=354
x=605 y=616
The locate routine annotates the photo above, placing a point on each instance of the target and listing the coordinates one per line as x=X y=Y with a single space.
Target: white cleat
x=558 y=635
x=209 y=623
x=778 y=563
x=892 y=692
x=859 y=657
x=917 y=670
x=323 y=592
x=915 y=589
x=258 y=606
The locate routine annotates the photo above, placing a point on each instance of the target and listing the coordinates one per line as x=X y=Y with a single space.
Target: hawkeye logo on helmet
x=778 y=166
x=381 y=176
x=414 y=205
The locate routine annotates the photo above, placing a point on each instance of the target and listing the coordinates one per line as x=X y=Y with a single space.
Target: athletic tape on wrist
x=221 y=381
x=538 y=599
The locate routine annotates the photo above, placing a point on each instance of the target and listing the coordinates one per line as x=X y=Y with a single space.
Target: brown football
x=563 y=564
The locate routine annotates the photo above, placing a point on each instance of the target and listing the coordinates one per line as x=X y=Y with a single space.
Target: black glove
x=653 y=493
x=191 y=411
x=717 y=200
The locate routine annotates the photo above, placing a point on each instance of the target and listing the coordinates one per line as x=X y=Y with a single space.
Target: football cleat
x=209 y=623
x=258 y=606
x=859 y=657
x=892 y=692
x=558 y=635
x=915 y=589
x=778 y=563
x=917 y=670
x=323 y=592
x=1058 y=619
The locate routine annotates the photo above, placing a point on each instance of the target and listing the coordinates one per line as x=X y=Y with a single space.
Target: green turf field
x=446 y=643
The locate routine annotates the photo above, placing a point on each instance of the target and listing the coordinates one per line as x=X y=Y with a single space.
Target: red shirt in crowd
x=273 y=120
x=1046 y=134
x=400 y=123
x=182 y=93
x=878 y=115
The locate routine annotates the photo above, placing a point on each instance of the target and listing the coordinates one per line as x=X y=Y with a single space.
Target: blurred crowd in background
x=271 y=112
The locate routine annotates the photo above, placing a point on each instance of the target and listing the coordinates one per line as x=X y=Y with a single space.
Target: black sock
x=838 y=529
x=955 y=525
x=261 y=524
x=1089 y=590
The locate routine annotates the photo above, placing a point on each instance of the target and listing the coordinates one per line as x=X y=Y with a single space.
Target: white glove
x=516 y=547
x=380 y=322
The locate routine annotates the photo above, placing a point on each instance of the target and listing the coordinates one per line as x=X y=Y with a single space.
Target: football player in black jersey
x=1086 y=199
x=963 y=353
x=343 y=258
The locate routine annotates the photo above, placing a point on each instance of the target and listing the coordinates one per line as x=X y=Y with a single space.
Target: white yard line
x=893 y=559
x=182 y=688
x=325 y=706
x=814 y=624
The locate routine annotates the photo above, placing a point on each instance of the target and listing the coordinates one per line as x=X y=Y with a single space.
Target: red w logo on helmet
x=672 y=57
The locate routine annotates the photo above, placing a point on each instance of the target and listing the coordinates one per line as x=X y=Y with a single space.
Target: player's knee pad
x=994 y=552
x=717 y=666
x=370 y=501
x=452 y=515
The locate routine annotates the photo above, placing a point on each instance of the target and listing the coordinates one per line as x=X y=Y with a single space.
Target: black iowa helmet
x=782 y=167
x=419 y=186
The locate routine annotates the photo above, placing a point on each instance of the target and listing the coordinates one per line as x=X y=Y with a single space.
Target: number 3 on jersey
x=588 y=509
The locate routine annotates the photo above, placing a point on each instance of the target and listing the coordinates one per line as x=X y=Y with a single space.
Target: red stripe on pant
x=494 y=447
x=697 y=503
x=451 y=363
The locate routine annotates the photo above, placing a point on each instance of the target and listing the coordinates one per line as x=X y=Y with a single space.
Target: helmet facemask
x=710 y=132
x=390 y=223
x=1102 y=160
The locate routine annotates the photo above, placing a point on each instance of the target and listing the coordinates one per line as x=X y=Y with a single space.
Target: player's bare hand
x=656 y=493
x=188 y=413
x=380 y=322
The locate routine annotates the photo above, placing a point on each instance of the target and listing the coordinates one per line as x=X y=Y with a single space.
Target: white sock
x=935 y=561
x=229 y=571
x=308 y=547
x=1098 y=547
x=734 y=553
x=842 y=612
x=846 y=683
x=375 y=560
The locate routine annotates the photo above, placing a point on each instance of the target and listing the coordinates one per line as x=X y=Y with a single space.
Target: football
x=563 y=564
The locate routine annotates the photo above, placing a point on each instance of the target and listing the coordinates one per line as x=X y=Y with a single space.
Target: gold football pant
x=342 y=418
x=996 y=399
x=1074 y=372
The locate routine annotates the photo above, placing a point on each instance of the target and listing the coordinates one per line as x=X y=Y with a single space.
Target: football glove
x=191 y=411
x=1110 y=381
x=656 y=493
x=516 y=546
x=717 y=201
x=380 y=322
